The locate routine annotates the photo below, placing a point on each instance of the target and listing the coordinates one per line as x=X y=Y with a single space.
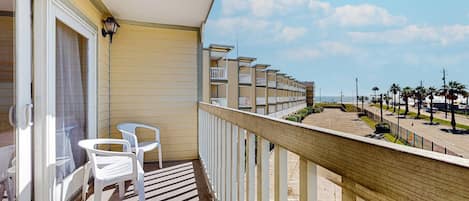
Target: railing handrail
x=389 y=169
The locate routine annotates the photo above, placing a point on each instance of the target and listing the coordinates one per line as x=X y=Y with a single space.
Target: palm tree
x=431 y=92
x=419 y=93
x=454 y=89
x=386 y=98
x=407 y=92
x=465 y=94
x=394 y=89
x=375 y=89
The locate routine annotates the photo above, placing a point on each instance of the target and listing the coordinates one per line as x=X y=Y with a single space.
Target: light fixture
x=110 y=27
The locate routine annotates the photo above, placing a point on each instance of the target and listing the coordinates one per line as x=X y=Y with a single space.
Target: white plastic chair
x=121 y=167
x=128 y=131
x=6 y=155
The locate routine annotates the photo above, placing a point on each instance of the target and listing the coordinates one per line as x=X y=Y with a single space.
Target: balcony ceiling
x=170 y=12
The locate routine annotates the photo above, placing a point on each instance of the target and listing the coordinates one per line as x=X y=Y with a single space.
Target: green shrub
x=382 y=128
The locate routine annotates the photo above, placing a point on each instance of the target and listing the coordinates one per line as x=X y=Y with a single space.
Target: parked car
x=432 y=110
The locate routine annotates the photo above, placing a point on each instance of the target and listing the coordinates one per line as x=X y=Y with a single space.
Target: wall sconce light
x=110 y=27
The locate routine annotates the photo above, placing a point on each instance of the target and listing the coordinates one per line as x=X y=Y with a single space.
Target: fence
x=411 y=138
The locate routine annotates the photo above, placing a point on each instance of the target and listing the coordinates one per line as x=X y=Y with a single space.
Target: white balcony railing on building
x=218 y=73
x=260 y=100
x=272 y=83
x=234 y=149
x=260 y=81
x=260 y=110
x=219 y=101
x=244 y=101
x=272 y=109
x=272 y=99
x=244 y=78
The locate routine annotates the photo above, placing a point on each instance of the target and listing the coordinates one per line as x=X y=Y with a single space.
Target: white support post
x=281 y=174
x=308 y=180
x=212 y=150
x=251 y=166
x=227 y=169
x=263 y=182
x=222 y=160
x=241 y=164
x=234 y=163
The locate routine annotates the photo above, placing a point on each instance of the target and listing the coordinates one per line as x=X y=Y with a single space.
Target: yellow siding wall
x=154 y=81
x=6 y=76
x=233 y=84
x=103 y=101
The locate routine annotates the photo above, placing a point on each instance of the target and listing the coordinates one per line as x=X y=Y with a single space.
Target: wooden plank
x=281 y=174
x=263 y=179
x=223 y=159
x=416 y=175
x=308 y=180
x=241 y=165
x=227 y=148
x=234 y=163
x=251 y=166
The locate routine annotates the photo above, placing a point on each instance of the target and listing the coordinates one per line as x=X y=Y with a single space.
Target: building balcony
x=218 y=73
x=272 y=84
x=244 y=101
x=245 y=78
x=272 y=100
x=260 y=101
x=260 y=81
x=219 y=101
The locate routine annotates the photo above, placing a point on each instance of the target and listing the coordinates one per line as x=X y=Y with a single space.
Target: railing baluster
x=227 y=169
x=234 y=163
x=308 y=180
x=263 y=154
x=241 y=164
x=281 y=174
x=222 y=159
x=218 y=161
x=251 y=140
x=212 y=150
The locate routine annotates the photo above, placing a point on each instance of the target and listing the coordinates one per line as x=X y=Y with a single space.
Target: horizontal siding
x=154 y=81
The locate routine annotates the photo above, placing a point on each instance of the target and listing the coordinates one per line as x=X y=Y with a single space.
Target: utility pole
x=341 y=96
x=320 y=95
x=398 y=118
x=444 y=88
x=356 y=89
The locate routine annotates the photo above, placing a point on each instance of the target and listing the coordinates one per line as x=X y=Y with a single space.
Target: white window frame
x=46 y=14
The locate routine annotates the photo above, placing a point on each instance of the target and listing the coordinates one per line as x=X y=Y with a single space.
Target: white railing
x=272 y=109
x=260 y=110
x=272 y=84
x=244 y=78
x=272 y=99
x=218 y=73
x=219 y=101
x=244 y=101
x=260 y=81
x=260 y=101
x=228 y=140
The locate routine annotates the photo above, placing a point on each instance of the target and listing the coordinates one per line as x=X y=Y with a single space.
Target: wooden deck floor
x=181 y=180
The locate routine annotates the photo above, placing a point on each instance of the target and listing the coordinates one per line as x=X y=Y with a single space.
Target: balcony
x=260 y=81
x=368 y=168
x=244 y=102
x=272 y=100
x=219 y=101
x=272 y=84
x=218 y=73
x=260 y=101
x=245 y=78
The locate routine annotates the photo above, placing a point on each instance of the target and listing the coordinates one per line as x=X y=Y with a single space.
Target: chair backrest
x=90 y=145
x=6 y=155
x=128 y=131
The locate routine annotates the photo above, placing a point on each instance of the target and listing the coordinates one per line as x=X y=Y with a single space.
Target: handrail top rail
x=458 y=161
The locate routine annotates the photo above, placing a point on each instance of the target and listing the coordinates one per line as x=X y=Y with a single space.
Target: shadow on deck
x=181 y=180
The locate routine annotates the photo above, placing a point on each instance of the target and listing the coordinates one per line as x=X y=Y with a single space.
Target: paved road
x=455 y=142
x=335 y=119
x=460 y=119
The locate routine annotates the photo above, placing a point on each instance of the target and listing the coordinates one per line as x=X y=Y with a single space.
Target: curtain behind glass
x=70 y=101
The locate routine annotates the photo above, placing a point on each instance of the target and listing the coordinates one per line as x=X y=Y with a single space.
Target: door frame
x=46 y=12
x=22 y=86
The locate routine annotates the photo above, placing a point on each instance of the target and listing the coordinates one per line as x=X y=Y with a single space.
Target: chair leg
x=98 y=191
x=140 y=157
x=121 y=189
x=10 y=189
x=141 y=187
x=2 y=190
x=134 y=182
x=86 y=178
x=160 y=157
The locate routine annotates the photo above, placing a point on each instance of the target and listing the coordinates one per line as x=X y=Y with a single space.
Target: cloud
x=230 y=7
x=413 y=33
x=291 y=33
x=320 y=7
x=358 y=15
x=321 y=50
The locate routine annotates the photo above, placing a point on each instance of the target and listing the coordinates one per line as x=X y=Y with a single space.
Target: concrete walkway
x=458 y=143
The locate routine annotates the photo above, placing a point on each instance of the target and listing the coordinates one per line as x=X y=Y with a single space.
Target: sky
x=334 y=42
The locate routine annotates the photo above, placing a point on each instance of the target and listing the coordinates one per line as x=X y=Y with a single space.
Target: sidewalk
x=454 y=142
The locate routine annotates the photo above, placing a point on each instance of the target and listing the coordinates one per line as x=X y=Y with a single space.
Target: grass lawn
x=389 y=137
x=425 y=117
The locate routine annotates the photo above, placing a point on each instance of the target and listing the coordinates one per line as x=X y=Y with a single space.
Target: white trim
x=23 y=98
x=46 y=12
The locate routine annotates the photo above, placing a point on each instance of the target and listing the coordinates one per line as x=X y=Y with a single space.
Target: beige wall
x=154 y=81
x=206 y=76
x=233 y=84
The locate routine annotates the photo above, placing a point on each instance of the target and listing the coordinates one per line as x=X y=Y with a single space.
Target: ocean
x=334 y=99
